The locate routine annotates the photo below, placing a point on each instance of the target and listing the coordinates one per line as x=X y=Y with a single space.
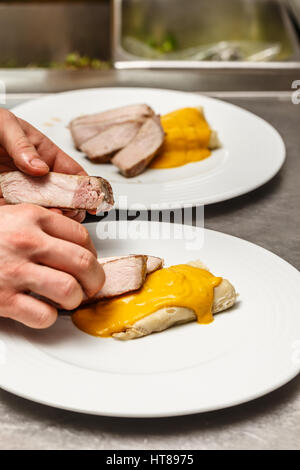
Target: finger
x=32 y=312
x=55 y=158
x=67 y=229
x=78 y=215
x=54 y=209
x=80 y=263
x=71 y=213
x=54 y=285
x=18 y=146
x=6 y=162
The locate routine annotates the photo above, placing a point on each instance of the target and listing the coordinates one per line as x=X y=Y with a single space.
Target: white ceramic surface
x=252 y=150
x=246 y=352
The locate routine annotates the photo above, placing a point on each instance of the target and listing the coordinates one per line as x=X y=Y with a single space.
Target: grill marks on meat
x=57 y=190
x=129 y=137
x=133 y=159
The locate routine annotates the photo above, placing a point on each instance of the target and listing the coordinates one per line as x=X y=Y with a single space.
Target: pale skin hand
x=48 y=254
x=25 y=148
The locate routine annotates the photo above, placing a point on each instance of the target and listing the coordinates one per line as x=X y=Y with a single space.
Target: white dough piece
x=224 y=298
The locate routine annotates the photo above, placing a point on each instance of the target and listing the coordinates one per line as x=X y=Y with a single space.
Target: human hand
x=25 y=148
x=48 y=254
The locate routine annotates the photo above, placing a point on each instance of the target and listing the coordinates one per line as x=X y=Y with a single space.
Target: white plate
x=245 y=353
x=252 y=151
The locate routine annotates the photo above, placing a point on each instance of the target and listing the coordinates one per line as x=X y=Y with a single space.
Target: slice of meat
x=103 y=145
x=136 y=156
x=86 y=127
x=116 y=115
x=82 y=133
x=153 y=262
x=122 y=275
x=57 y=190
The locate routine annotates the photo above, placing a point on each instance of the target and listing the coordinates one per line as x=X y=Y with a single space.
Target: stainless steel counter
x=259 y=78
x=270 y=217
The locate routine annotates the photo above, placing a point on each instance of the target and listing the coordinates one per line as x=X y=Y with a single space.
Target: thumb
x=19 y=148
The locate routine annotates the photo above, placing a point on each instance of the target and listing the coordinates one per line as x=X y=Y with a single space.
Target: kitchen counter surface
x=270 y=217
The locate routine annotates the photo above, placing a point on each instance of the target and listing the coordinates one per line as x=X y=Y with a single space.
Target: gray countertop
x=269 y=217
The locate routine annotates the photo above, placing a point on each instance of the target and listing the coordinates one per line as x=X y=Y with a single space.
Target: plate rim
x=144 y=415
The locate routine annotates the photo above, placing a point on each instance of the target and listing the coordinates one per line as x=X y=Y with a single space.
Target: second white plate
x=252 y=150
x=246 y=352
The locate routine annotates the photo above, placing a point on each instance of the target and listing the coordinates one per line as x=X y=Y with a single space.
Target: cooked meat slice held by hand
x=136 y=156
x=153 y=262
x=122 y=275
x=57 y=190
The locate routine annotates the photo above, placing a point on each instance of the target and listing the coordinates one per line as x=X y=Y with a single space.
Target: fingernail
x=37 y=163
x=71 y=213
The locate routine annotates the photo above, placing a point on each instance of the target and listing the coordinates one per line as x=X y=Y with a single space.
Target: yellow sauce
x=187 y=138
x=177 y=286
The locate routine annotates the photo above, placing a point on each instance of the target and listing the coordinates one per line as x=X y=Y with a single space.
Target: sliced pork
x=121 y=114
x=136 y=156
x=153 y=262
x=82 y=133
x=122 y=275
x=86 y=127
x=101 y=147
x=57 y=190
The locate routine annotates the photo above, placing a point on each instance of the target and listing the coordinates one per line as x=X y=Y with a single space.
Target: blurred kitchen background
x=193 y=45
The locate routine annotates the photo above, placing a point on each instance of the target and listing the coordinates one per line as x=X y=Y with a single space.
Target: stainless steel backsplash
x=34 y=33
